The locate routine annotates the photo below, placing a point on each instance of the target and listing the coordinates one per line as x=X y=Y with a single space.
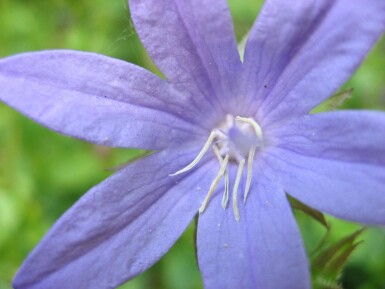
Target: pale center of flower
x=235 y=140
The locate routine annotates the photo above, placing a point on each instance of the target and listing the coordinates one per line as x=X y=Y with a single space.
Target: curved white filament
x=235 y=189
x=249 y=172
x=214 y=184
x=199 y=156
x=225 y=197
x=257 y=128
x=226 y=149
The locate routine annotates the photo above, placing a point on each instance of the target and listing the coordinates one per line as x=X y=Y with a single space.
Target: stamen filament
x=254 y=124
x=235 y=189
x=217 y=154
x=249 y=172
x=225 y=197
x=199 y=156
x=229 y=146
x=214 y=184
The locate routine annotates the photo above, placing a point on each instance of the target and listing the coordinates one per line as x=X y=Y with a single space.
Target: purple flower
x=231 y=139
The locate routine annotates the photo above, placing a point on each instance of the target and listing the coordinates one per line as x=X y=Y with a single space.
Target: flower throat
x=235 y=140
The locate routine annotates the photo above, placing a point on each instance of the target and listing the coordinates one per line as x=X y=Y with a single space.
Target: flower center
x=234 y=140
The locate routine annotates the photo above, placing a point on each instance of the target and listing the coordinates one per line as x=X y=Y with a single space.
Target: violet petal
x=95 y=98
x=193 y=44
x=263 y=250
x=346 y=136
x=299 y=53
x=334 y=162
x=119 y=228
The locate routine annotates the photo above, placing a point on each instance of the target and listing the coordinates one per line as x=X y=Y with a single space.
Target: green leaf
x=242 y=46
x=337 y=264
x=334 y=102
x=322 y=260
x=325 y=284
x=314 y=214
x=327 y=265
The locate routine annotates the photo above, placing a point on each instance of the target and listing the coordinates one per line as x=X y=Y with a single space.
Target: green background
x=43 y=173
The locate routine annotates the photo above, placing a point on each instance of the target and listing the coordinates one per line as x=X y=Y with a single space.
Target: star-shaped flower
x=231 y=139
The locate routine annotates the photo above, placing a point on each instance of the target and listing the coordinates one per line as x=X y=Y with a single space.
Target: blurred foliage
x=329 y=261
x=42 y=173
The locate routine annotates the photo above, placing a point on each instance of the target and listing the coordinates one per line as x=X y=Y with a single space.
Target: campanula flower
x=230 y=140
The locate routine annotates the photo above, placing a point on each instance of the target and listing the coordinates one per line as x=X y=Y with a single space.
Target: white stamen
x=214 y=184
x=254 y=124
x=225 y=197
x=199 y=156
x=217 y=154
x=235 y=189
x=249 y=172
x=228 y=147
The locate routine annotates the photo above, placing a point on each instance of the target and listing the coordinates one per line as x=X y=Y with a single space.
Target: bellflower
x=231 y=139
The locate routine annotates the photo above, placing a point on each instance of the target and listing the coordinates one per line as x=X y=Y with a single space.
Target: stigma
x=235 y=140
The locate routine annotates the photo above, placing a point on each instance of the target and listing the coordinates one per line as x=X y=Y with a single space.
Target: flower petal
x=300 y=53
x=263 y=250
x=119 y=228
x=96 y=98
x=347 y=136
x=193 y=44
x=335 y=162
